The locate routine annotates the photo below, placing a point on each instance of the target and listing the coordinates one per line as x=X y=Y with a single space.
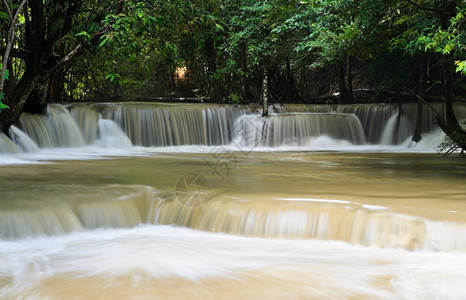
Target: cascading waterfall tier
x=56 y=129
x=123 y=206
x=296 y=129
x=313 y=219
x=7 y=145
x=159 y=125
x=175 y=125
x=374 y=118
x=50 y=213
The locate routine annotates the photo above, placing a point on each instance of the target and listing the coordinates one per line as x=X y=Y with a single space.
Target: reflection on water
x=278 y=225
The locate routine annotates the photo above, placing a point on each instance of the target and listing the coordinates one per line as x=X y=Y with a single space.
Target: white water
x=111 y=136
x=113 y=128
x=169 y=263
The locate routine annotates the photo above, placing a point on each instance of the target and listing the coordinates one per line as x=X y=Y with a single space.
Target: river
x=288 y=209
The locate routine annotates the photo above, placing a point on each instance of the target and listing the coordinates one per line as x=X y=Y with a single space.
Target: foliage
x=228 y=42
x=2 y=95
x=234 y=98
x=451 y=143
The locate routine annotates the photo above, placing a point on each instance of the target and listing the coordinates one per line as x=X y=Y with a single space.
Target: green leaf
x=461 y=67
x=219 y=27
x=85 y=35
x=2 y=105
x=104 y=40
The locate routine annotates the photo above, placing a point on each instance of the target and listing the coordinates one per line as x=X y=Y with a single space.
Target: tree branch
x=10 y=40
x=83 y=45
x=8 y=9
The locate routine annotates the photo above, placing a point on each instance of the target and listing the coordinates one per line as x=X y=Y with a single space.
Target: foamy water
x=161 y=255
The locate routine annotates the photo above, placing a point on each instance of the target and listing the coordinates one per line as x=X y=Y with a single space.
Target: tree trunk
x=214 y=85
x=341 y=82
x=41 y=35
x=349 y=79
x=36 y=102
x=55 y=88
x=293 y=91
x=18 y=98
x=10 y=39
x=450 y=124
x=265 y=93
x=244 y=70
x=422 y=82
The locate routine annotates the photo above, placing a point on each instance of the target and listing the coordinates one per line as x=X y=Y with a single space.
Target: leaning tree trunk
x=450 y=124
x=40 y=42
x=18 y=97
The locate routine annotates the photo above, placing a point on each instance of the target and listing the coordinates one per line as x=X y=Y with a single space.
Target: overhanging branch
x=83 y=45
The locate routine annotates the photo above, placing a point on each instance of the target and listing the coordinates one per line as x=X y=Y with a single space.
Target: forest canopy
x=218 y=50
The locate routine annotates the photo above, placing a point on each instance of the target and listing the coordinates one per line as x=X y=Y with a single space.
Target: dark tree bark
x=10 y=39
x=214 y=85
x=265 y=92
x=349 y=79
x=422 y=82
x=244 y=69
x=340 y=70
x=450 y=124
x=293 y=91
x=41 y=36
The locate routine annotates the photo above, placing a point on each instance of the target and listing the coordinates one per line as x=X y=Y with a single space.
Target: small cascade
x=111 y=135
x=66 y=129
x=39 y=129
x=297 y=129
x=36 y=220
x=175 y=125
x=319 y=219
x=397 y=130
x=83 y=207
x=56 y=129
x=374 y=117
x=21 y=139
x=86 y=118
x=7 y=145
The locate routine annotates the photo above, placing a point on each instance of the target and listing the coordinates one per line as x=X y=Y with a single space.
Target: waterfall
x=86 y=118
x=374 y=117
x=397 y=130
x=123 y=206
x=160 y=125
x=55 y=129
x=86 y=208
x=21 y=139
x=296 y=129
x=175 y=125
x=111 y=135
x=66 y=129
x=6 y=145
x=318 y=219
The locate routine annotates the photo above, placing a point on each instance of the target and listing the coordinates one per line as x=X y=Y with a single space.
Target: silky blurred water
x=276 y=225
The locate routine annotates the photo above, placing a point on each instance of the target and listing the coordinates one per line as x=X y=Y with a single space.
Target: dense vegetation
x=225 y=50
